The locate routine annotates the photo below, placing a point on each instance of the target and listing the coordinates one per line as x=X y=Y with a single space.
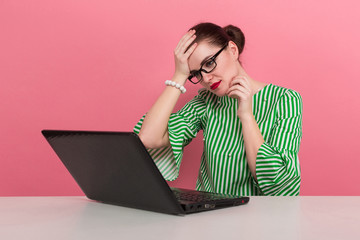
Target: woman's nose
x=206 y=77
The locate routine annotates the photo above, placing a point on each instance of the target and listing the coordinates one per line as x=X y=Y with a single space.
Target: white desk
x=262 y=218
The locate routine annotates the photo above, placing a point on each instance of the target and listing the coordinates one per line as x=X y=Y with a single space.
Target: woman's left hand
x=240 y=88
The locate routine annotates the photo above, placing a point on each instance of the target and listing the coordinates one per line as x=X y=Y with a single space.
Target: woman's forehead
x=202 y=51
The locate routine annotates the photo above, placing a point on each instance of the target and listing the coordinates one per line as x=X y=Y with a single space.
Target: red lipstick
x=215 y=85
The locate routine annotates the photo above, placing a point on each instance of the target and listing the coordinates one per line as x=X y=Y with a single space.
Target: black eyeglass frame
x=203 y=70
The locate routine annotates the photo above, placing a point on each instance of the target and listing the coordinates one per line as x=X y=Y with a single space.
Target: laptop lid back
x=114 y=167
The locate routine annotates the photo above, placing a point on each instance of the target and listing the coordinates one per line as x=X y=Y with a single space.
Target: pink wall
x=98 y=65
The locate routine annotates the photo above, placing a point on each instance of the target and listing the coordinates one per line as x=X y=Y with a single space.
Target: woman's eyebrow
x=203 y=61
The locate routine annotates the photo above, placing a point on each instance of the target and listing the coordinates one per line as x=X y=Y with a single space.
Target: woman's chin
x=219 y=93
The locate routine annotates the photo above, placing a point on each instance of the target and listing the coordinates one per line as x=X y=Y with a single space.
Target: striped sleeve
x=277 y=163
x=183 y=126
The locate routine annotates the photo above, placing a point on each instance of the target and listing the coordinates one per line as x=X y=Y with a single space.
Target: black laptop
x=116 y=168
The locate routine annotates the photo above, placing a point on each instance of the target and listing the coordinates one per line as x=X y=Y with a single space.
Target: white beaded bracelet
x=176 y=85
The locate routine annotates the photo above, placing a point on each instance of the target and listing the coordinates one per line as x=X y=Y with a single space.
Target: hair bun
x=236 y=35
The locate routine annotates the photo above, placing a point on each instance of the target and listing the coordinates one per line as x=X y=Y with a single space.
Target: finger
x=185 y=38
x=190 y=50
x=239 y=89
x=185 y=45
x=246 y=83
x=237 y=94
x=235 y=82
x=181 y=49
x=241 y=82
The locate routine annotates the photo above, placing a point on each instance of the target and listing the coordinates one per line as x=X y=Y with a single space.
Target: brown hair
x=218 y=36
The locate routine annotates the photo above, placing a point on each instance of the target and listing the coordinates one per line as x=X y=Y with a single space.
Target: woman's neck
x=254 y=85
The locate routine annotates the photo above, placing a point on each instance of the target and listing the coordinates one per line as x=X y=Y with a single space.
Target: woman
x=252 y=130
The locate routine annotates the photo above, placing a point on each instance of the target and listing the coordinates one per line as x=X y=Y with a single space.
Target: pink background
x=99 y=65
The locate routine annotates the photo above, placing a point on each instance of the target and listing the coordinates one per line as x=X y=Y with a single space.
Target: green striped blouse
x=223 y=168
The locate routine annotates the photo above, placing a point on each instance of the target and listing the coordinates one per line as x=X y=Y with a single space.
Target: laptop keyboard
x=200 y=196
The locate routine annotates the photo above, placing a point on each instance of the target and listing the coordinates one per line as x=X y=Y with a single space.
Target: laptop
x=116 y=168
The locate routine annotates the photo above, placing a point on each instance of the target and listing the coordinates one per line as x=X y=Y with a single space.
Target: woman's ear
x=234 y=51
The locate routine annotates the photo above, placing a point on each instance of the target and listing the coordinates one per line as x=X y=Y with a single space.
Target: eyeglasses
x=207 y=67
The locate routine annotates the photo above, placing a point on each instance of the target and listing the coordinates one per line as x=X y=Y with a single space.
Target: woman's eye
x=210 y=64
x=197 y=75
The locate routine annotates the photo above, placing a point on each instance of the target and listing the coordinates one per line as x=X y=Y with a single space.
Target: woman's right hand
x=181 y=57
x=154 y=131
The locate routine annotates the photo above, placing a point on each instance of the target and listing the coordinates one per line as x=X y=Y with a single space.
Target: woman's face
x=227 y=66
